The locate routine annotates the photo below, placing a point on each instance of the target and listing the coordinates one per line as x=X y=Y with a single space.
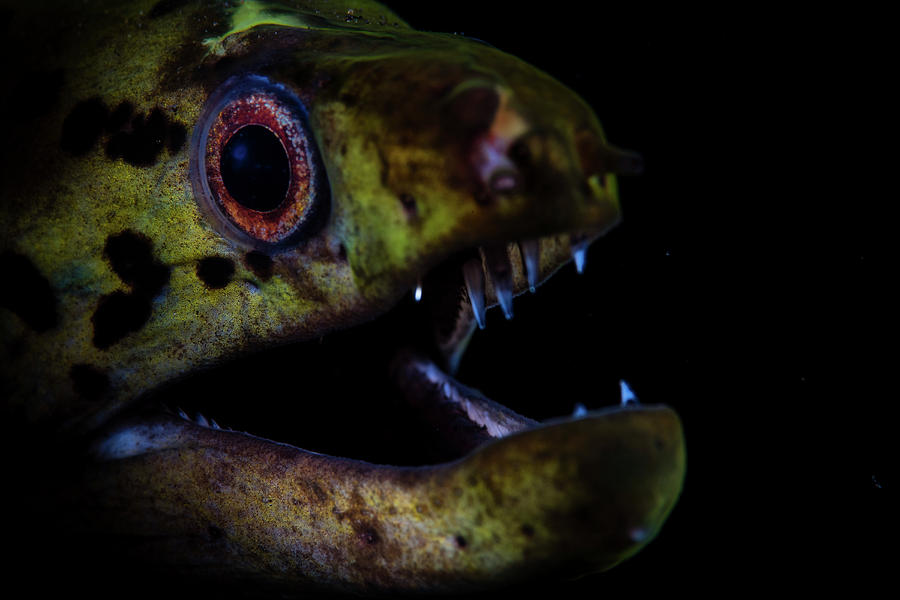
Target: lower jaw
x=517 y=499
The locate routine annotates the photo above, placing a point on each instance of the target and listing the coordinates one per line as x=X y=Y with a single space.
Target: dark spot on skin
x=82 y=126
x=659 y=444
x=89 y=382
x=367 y=536
x=409 y=205
x=130 y=256
x=140 y=146
x=527 y=530
x=27 y=293
x=137 y=139
x=164 y=7
x=215 y=533
x=342 y=253
x=177 y=136
x=461 y=541
x=261 y=264
x=119 y=116
x=215 y=272
x=318 y=492
x=117 y=315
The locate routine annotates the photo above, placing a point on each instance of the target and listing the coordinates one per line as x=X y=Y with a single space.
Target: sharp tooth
x=496 y=259
x=417 y=294
x=531 y=257
x=628 y=396
x=579 y=251
x=473 y=275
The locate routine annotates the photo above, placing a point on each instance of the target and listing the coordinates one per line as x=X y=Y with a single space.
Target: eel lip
x=563 y=498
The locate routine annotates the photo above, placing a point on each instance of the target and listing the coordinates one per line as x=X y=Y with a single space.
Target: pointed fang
x=531 y=258
x=579 y=252
x=496 y=260
x=473 y=275
x=417 y=294
x=628 y=396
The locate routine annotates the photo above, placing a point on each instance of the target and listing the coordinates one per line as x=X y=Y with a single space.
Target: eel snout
x=563 y=498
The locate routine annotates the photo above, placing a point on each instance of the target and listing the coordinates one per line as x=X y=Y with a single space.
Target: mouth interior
x=339 y=395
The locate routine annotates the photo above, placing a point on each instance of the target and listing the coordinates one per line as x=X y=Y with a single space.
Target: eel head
x=226 y=179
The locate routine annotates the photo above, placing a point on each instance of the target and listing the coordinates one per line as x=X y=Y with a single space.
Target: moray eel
x=192 y=182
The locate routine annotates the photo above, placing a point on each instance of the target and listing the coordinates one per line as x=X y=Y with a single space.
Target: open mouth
x=478 y=494
x=386 y=391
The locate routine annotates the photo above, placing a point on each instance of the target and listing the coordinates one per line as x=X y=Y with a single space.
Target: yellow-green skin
x=380 y=98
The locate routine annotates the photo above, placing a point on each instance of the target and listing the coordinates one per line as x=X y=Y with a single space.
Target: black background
x=748 y=285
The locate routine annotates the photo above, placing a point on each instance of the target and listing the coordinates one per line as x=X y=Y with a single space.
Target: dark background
x=747 y=286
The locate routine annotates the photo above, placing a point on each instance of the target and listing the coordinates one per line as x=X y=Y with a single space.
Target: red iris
x=254 y=160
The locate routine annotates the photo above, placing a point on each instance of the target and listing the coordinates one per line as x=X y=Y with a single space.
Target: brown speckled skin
x=564 y=498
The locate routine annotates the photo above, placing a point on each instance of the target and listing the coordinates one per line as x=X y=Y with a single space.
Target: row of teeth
x=494 y=263
x=199 y=419
x=627 y=398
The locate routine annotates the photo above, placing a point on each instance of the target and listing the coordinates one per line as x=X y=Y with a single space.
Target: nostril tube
x=495 y=170
x=599 y=158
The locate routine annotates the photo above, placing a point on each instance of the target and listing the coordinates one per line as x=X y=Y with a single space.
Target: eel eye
x=254 y=165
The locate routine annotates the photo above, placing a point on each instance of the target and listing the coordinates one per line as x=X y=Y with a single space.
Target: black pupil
x=255 y=168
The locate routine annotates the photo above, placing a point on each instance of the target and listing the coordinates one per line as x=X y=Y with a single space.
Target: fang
x=473 y=275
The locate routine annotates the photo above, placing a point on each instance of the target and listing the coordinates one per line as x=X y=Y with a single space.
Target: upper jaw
x=456 y=151
x=529 y=204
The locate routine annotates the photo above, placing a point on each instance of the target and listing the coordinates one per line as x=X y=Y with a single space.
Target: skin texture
x=126 y=281
x=516 y=508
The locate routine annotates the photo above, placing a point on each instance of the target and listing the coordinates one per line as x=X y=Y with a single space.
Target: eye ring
x=266 y=121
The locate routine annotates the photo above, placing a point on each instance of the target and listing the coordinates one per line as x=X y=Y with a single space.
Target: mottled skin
x=128 y=285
